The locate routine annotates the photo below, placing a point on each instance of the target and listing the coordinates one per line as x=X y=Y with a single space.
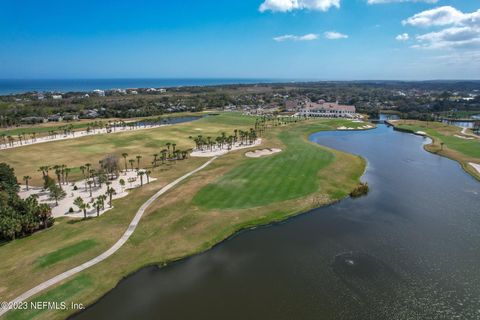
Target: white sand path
x=131 y=228
x=465 y=133
x=77 y=134
x=83 y=191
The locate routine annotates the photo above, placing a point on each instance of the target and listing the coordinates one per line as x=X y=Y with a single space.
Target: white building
x=327 y=110
x=99 y=92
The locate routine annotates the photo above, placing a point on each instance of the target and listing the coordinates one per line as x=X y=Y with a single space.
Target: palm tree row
x=239 y=137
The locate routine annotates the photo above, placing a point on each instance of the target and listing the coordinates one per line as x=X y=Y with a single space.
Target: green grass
x=173 y=226
x=462 y=150
x=69 y=289
x=288 y=175
x=76 y=152
x=65 y=253
x=469 y=148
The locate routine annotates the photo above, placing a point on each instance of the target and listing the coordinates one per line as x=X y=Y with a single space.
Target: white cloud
x=450 y=38
x=291 y=37
x=440 y=16
x=332 y=35
x=290 y=5
x=403 y=37
x=461 y=30
x=392 y=1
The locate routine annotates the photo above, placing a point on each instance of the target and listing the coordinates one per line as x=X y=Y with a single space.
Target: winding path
x=131 y=228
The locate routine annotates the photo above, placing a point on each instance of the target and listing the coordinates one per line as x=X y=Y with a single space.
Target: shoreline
x=260 y=223
x=269 y=219
x=465 y=165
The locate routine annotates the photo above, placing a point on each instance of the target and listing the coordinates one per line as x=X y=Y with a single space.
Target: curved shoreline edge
x=464 y=165
x=120 y=242
x=249 y=226
x=262 y=222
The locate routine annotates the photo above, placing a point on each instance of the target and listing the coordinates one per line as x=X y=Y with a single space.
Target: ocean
x=84 y=85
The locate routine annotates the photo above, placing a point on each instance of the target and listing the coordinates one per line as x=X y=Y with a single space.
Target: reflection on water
x=408 y=250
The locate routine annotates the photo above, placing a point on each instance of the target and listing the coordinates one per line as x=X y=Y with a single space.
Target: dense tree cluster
x=19 y=217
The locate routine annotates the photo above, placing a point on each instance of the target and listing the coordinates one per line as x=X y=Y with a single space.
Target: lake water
x=408 y=250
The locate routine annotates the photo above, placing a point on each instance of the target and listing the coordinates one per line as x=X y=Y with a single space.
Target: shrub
x=360 y=190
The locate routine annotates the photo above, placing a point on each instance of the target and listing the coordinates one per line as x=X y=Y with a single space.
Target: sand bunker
x=368 y=126
x=463 y=137
x=262 y=153
x=475 y=166
x=421 y=133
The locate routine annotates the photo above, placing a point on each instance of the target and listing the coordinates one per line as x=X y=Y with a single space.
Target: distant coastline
x=18 y=86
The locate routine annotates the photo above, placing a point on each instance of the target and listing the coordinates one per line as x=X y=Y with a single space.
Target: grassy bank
x=184 y=221
x=445 y=142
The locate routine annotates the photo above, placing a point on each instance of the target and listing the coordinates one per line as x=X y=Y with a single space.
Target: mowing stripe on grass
x=65 y=253
x=290 y=174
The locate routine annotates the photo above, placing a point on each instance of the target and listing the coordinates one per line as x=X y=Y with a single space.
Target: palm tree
x=98 y=205
x=26 y=179
x=58 y=172
x=132 y=161
x=90 y=182
x=82 y=206
x=122 y=184
x=125 y=155
x=138 y=162
x=111 y=192
x=83 y=168
x=87 y=166
x=147 y=173
x=56 y=193
x=155 y=156
x=140 y=174
x=44 y=212
x=67 y=171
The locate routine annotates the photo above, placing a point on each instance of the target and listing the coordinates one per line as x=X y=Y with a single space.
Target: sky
x=268 y=39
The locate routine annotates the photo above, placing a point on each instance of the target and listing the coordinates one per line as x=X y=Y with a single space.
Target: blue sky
x=275 y=39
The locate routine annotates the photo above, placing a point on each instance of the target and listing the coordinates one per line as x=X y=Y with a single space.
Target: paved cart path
x=131 y=228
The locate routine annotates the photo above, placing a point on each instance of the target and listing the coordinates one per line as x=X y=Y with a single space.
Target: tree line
x=19 y=217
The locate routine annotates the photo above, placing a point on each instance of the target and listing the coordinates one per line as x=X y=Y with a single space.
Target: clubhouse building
x=327 y=110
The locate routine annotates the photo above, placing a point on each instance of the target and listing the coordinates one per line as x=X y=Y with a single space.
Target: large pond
x=408 y=250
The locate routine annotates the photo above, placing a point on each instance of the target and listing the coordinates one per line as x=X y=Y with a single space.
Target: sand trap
x=421 y=133
x=367 y=126
x=218 y=151
x=262 y=153
x=65 y=204
x=463 y=137
x=475 y=166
